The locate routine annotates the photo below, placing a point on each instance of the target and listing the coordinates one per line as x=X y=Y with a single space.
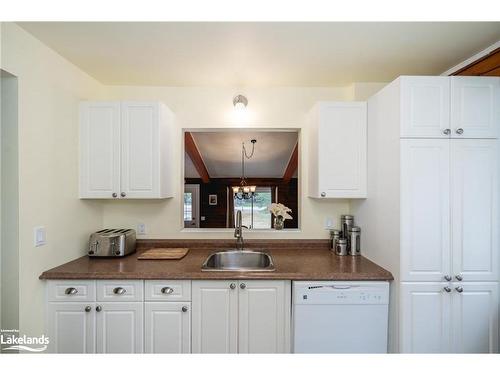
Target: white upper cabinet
x=337 y=150
x=475 y=107
x=425 y=107
x=125 y=150
x=475 y=318
x=99 y=149
x=475 y=209
x=425 y=209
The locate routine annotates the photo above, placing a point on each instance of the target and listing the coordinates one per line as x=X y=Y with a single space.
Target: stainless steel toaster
x=112 y=243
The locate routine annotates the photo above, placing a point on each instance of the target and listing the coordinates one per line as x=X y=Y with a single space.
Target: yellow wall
x=49 y=91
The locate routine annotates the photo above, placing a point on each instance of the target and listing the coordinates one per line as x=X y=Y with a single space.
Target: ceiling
x=221 y=153
x=262 y=54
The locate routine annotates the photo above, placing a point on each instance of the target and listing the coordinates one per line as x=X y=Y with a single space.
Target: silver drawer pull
x=119 y=290
x=71 y=291
x=167 y=290
x=184 y=308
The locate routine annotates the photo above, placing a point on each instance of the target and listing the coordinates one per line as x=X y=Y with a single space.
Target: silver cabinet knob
x=88 y=308
x=98 y=308
x=232 y=286
x=114 y=195
x=71 y=291
x=243 y=286
x=119 y=290
x=323 y=194
x=167 y=290
x=447 y=277
x=122 y=194
x=459 y=289
x=184 y=308
x=447 y=289
x=459 y=277
x=446 y=131
x=459 y=131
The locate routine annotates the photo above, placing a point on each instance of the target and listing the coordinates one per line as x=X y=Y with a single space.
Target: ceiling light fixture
x=240 y=102
x=244 y=191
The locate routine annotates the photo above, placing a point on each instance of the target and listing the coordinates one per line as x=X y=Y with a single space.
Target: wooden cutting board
x=163 y=253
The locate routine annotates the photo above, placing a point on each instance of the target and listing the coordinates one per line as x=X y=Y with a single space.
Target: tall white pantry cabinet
x=432 y=217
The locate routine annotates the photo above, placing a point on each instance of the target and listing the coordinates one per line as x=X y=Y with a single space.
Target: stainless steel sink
x=238 y=261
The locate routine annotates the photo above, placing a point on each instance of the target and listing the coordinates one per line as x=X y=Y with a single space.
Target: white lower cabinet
x=425 y=318
x=167 y=327
x=264 y=317
x=119 y=327
x=71 y=327
x=215 y=316
x=251 y=316
x=449 y=317
x=475 y=318
x=169 y=316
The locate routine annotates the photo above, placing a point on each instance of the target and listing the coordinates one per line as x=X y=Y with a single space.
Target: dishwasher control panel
x=345 y=293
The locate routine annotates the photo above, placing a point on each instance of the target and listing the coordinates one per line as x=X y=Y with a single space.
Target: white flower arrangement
x=278 y=209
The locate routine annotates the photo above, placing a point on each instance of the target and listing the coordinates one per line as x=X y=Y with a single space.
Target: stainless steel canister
x=355 y=241
x=341 y=247
x=346 y=223
x=335 y=234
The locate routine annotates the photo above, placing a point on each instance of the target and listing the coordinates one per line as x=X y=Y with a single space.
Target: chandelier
x=244 y=191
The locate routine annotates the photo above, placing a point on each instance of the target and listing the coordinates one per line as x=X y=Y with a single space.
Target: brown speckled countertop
x=293 y=260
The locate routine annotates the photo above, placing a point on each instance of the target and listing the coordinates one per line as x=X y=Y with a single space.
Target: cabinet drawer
x=71 y=290
x=120 y=290
x=168 y=290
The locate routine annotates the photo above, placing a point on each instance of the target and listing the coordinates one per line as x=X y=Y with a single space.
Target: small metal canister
x=341 y=247
x=335 y=234
x=355 y=241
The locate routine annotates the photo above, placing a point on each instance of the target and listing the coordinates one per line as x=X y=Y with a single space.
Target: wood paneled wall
x=215 y=216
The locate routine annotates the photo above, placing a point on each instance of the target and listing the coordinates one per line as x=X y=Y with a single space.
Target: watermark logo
x=11 y=341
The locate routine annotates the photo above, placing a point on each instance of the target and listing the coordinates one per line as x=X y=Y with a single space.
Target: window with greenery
x=188 y=206
x=254 y=211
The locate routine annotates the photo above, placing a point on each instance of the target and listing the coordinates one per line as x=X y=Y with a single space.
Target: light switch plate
x=39 y=236
x=141 y=228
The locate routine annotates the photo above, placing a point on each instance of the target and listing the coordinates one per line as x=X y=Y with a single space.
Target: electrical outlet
x=39 y=236
x=141 y=228
x=329 y=223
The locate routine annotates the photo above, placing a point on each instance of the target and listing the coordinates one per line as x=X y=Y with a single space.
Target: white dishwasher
x=340 y=317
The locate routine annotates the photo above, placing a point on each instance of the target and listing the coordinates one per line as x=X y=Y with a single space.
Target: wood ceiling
x=488 y=65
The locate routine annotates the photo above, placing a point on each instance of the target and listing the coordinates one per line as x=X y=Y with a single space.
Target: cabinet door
x=425 y=107
x=168 y=327
x=119 y=327
x=475 y=209
x=71 y=327
x=425 y=209
x=264 y=316
x=215 y=317
x=475 y=107
x=140 y=169
x=99 y=149
x=342 y=150
x=425 y=321
x=475 y=318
